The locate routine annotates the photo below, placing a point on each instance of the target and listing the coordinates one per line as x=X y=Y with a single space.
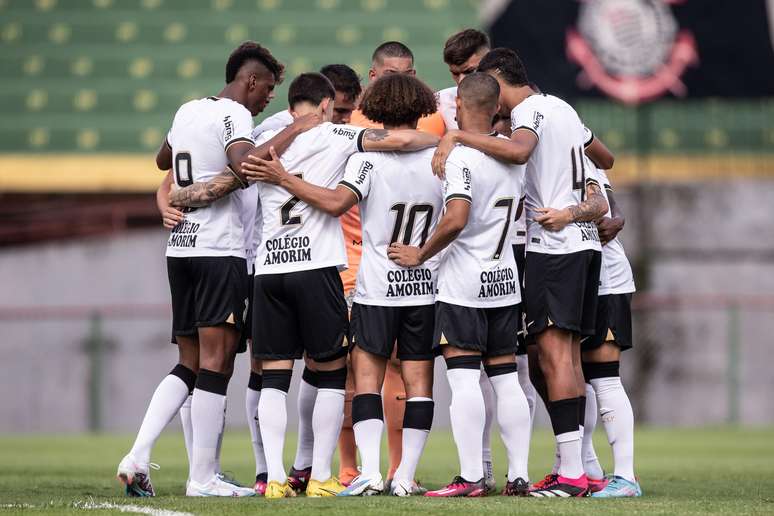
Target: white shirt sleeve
x=457 y=184
x=357 y=175
x=275 y=122
x=346 y=139
x=236 y=126
x=527 y=116
x=588 y=136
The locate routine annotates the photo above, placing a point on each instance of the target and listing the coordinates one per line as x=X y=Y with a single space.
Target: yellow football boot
x=330 y=487
x=276 y=490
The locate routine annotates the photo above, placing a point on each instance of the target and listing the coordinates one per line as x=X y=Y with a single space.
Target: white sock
x=165 y=403
x=326 y=423
x=220 y=438
x=273 y=415
x=513 y=418
x=307 y=394
x=368 y=437
x=618 y=420
x=590 y=461
x=526 y=385
x=207 y=418
x=185 y=420
x=414 y=440
x=570 y=452
x=252 y=398
x=467 y=416
x=490 y=410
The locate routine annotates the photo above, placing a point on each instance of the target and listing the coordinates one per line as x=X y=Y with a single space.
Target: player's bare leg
x=513 y=419
x=167 y=400
x=326 y=423
x=252 y=399
x=394 y=408
x=463 y=370
x=602 y=367
x=347 y=449
x=367 y=420
x=555 y=351
x=217 y=349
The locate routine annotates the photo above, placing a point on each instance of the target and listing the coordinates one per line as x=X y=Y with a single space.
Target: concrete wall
x=693 y=239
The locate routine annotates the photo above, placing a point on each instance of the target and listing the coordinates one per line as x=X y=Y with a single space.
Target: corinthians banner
x=635 y=51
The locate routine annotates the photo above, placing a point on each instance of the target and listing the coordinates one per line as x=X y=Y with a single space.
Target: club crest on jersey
x=343 y=131
x=632 y=50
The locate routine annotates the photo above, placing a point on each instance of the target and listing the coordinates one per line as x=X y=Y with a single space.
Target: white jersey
x=555 y=176
x=252 y=221
x=201 y=133
x=400 y=201
x=277 y=121
x=615 y=276
x=479 y=269
x=446 y=101
x=296 y=236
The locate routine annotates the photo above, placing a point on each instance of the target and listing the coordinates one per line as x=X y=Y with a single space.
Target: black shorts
x=492 y=331
x=300 y=311
x=207 y=291
x=247 y=333
x=376 y=329
x=614 y=322
x=518 y=254
x=561 y=290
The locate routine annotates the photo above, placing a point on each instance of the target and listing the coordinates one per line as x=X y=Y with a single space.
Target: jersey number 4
x=408 y=228
x=578 y=180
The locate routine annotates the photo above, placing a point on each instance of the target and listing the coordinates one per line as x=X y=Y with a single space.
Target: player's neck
x=516 y=95
x=477 y=124
x=404 y=126
x=230 y=93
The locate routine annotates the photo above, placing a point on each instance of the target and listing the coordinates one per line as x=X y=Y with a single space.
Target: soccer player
x=462 y=53
x=299 y=299
x=563 y=249
x=391 y=57
x=601 y=354
x=391 y=303
x=477 y=309
x=206 y=265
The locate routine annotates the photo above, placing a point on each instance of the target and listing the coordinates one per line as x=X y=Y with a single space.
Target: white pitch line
x=137 y=509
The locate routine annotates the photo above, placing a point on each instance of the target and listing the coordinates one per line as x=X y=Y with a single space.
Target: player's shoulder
x=464 y=156
x=275 y=122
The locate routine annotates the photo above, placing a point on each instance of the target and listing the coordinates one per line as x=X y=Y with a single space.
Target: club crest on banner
x=632 y=50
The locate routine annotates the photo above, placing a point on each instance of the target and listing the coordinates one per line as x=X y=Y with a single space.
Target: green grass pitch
x=682 y=471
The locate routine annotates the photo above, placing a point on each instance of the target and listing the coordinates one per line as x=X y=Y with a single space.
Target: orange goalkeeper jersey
x=350 y=221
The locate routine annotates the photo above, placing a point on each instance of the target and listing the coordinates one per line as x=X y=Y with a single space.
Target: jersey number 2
x=287 y=219
x=408 y=230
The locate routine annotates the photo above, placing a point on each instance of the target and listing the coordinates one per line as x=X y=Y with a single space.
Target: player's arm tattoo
x=203 y=194
x=593 y=207
x=376 y=135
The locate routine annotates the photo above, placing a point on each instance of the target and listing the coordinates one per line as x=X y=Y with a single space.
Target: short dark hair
x=344 y=79
x=392 y=49
x=252 y=51
x=310 y=87
x=461 y=46
x=397 y=99
x=479 y=89
x=505 y=63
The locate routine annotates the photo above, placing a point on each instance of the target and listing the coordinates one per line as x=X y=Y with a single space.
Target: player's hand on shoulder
x=404 y=255
x=306 y=122
x=266 y=171
x=609 y=228
x=171 y=217
x=553 y=219
x=442 y=152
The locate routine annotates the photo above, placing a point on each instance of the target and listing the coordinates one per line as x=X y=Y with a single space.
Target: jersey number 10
x=408 y=229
